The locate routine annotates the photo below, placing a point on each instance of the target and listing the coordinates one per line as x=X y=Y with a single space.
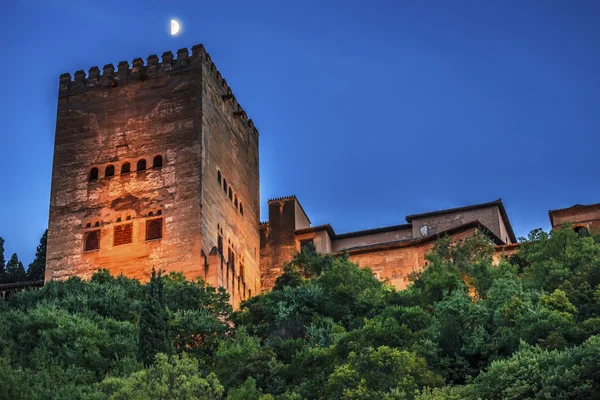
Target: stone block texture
x=180 y=118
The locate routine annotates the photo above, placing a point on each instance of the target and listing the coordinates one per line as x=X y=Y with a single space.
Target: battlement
x=139 y=71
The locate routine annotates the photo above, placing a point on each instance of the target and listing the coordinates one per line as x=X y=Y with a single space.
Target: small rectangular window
x=154 y=229
x=123 y=234
x=306 y=242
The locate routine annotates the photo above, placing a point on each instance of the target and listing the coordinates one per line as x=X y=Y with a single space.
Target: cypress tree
x=37 y=268
x=2 y=261
x=153 y=334
x=15 y=272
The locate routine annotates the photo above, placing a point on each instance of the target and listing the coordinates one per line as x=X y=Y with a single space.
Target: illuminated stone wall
x=177 y=108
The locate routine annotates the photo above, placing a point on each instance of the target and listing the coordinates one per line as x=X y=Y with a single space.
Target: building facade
x=155 y=166
x=391 y=252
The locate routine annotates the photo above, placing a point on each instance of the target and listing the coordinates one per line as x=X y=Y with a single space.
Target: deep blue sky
x=367 y=111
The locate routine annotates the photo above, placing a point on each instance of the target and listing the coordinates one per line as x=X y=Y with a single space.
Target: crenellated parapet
x=154 y=67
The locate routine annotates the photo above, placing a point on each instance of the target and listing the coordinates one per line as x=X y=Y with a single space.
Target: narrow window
x=97 y=223
x=125 y=168
x=235 y=201
x=109 y=171
x=219 y=177
x=151 y=214
x=123 y=234
x=220 y=244
x=249 y=292
x=157 y=162
x=230 y=193
x=118 y=219
x=159 y=212
x=225 y=185
x=141 y=165
x=94 y=174
x=241 y=208
x=88 y=225
x=128 y=218
x=154 y=229
x=92 y=240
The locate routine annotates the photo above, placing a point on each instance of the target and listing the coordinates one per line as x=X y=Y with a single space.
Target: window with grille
x=92 y=240
x=123 y=234
x=154 y=229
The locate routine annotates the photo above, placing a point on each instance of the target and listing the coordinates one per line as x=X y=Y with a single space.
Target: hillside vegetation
x=464 y=329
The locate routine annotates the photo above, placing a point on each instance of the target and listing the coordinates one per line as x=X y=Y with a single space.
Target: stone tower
x=155 y=165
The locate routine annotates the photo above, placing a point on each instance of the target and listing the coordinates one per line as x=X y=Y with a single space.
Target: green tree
x=154 y=322
x=37 y=268
x=177 y=377
x=15 y=272
x=2 y=261
x=374 y=373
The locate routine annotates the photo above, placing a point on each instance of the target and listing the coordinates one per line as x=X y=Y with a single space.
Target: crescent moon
x=174 y=27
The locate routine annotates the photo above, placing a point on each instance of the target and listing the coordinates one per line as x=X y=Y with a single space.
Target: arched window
x=154 y=229
x=241 y=208
x=97 y=223
x=157 y=162
x=225 y=185
x=159 y=212
x=92 y=240
x=94 y=174
x=125 y=168
x=230 y=193
x=141 y=165
x=235 y=201
x=109 y=171
x=581 y=231
x=219 y=177
x=151 y=213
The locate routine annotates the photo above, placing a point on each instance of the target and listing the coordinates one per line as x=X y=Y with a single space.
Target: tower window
x=230 y=193
x=141 y=165
x=225 y=185
x=123 y=234
x=220 y=244
x=241 y=208
x=157 y=162
x=154 y=229
x=235 y=201
x=219 y=177
x=125 y=168
x=109 y=171
x=94 y=174
x=92 y=240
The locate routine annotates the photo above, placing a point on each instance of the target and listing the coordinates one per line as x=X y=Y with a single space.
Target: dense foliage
x=464 y=329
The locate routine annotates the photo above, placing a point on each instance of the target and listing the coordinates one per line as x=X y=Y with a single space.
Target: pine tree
x=15 y=272
x=2 y=261
x=153 y=334
x=37 y=268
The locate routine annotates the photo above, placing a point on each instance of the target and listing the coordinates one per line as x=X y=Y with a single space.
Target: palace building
x=156 y=165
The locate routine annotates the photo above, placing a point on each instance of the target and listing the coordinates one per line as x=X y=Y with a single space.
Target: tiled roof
x=373 y=231
x=575 y=206
x=424 y=239
x=497 y=203
x=324 y=227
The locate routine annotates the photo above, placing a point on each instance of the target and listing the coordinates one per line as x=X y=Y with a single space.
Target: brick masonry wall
x=110 y=126
x=277 y=241
x=395 y=265
x=588 y=217
x=230 y=146
x=490 y=217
